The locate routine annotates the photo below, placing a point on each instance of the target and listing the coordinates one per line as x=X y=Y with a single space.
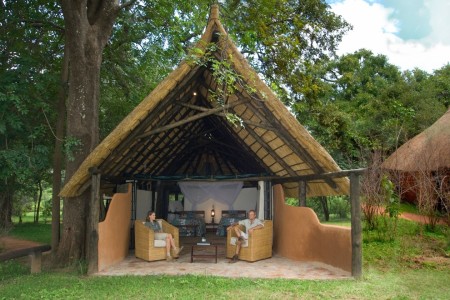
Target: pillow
x=159 y=243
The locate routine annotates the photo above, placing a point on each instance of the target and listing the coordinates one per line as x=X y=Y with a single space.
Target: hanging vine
x=219 y=61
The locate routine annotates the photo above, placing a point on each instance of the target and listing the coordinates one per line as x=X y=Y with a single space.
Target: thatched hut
x=426 y=157
x=180 y=133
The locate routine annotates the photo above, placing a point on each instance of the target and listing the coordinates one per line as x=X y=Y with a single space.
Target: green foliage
x=47 y=210
x=71 y=145
x=366 y=104
x=339 y=207
x=11 y=269
x=284 y=39
x=30 y=231
x=408 y=207
x=391 y=199
x=30 y=40
x=148 y=40
x=292 y=201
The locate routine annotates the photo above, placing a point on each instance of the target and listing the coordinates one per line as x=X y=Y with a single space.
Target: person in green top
x=160 y=235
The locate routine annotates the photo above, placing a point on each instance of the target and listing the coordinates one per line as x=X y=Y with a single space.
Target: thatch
x=179 y=131
x=427 y=151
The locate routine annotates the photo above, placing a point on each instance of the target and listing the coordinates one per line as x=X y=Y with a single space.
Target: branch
x=39 y=23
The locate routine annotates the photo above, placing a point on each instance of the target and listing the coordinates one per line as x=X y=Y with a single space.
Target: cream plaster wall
x=246 y=200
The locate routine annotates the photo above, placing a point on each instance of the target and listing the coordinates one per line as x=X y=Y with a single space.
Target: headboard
x=234 y=213
x=191 y=213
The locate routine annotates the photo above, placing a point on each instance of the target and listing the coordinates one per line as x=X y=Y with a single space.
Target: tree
x=27 y=85
x=88 y=26
x=284 y=39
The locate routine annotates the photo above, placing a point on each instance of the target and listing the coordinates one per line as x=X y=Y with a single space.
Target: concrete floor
x=275 y=267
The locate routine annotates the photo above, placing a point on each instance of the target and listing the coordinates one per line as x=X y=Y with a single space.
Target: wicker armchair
x=259 y=245
x=144 y=241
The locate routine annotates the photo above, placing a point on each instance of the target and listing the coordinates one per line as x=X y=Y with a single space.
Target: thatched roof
x=427 y=151
x=179 y=132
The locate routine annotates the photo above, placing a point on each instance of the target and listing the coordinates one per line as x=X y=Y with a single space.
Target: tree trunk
x=326 y=211
x=58 y=154
x=6 y=196
x=88 y=26
x=38 y=204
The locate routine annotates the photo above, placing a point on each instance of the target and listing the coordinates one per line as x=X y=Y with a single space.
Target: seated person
x=252 y=223
x=160 y=235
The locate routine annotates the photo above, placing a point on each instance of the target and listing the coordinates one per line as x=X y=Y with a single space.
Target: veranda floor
x=275 y=267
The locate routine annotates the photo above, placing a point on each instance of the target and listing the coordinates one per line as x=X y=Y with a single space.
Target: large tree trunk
x=88 y=27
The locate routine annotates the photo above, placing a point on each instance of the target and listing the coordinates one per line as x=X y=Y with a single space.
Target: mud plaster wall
x=114 y=231
x=298 y=235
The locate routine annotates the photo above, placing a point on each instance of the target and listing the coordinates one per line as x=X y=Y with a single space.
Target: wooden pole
x=302 y=193
x=92 y=226
x=356 y=231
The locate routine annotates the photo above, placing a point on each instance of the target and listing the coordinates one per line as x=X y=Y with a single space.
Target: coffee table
x=204 y=251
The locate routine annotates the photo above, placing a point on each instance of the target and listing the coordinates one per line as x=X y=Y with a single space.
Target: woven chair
x=259 y=245
x=146 y=247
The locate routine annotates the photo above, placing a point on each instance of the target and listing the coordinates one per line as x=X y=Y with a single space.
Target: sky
x=411 y=33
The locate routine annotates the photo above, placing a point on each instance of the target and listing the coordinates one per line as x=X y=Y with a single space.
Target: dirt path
x=9 y=243
x=419 y=218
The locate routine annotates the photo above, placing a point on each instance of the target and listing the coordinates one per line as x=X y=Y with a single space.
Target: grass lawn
x=413 y=266
x=41 y=233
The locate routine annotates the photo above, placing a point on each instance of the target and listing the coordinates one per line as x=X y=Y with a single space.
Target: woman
x=160 y=235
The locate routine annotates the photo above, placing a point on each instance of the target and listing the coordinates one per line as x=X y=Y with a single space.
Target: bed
x=190 y=223
x=229 y=217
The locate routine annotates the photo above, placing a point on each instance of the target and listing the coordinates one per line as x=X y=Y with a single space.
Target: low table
x=208 y=251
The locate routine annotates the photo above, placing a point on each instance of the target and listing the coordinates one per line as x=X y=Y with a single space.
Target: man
x=251 y=224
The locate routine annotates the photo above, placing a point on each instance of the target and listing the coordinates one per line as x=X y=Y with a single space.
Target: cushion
x=159 y=243
x=224 y=223
x=233 y=241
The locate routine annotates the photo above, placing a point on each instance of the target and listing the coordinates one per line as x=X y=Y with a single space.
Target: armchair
x=258 y=246
x=146 y=247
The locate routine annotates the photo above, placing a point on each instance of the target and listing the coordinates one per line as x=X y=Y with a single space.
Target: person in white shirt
x=251 y=224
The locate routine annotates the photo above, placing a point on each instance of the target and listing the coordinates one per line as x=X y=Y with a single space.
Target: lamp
x=213 y=213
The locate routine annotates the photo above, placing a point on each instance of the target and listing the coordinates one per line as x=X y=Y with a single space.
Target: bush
x=339 y=207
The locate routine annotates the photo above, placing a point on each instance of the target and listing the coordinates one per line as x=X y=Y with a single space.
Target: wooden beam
x=182 y=122
x=221 y=114
x=356 y=235
x=310 y=177
x=302 y=193
x=92 y=222
x=278 y=179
